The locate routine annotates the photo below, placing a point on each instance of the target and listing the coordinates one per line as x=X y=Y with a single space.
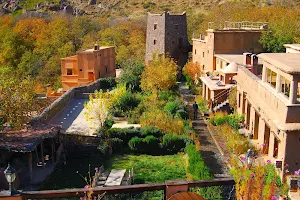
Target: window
x=106 y=69
x=155 y=26
x=154 y=42
x=203 y=54
x=176 y=26
x=271 y=77
x=98 y=74
x=239 y=100
x=285 y=86
x=207 y=51
x=80 y=70
x=69 y=71
x=275 y=149
x=195 y=51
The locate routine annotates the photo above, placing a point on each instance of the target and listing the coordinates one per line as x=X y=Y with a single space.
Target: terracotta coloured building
x=87 y=66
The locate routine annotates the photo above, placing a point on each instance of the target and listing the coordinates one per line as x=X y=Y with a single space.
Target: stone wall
x=63 y=100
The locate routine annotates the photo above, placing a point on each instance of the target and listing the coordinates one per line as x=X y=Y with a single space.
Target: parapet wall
x=62 y=101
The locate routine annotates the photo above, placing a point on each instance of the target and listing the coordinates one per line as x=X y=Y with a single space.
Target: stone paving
x=210 y=152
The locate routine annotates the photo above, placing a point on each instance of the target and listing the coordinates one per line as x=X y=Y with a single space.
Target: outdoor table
x=115 y=177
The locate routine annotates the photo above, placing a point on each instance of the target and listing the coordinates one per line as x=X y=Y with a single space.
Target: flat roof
x=92 y=49
x=70 y=58
x=212 y=84
x=293 y=46
x=286 y=62
x=238 y=58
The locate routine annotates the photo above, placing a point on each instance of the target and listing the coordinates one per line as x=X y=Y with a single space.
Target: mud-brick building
x=231 y=38
x=167 y=35
x=87 y=66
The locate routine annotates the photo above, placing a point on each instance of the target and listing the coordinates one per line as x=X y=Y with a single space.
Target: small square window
x=80 y=70
x=155 y=26
x=69 y=71
x=154 y=42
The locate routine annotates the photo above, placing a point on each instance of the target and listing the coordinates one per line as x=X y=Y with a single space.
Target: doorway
x=266 y=140
x=256 y=126
x=91 y=76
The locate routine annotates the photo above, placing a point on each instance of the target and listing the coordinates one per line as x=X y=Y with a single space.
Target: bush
x=108 y=123
x=233 y=120
x=124 y=104
x=107 y=83
x=151 y=145
x=173 y=143
x=176 y=109
x=136 y=145
x=151 y=130
x=167 y=95
x=123 y=134
x=117 y=145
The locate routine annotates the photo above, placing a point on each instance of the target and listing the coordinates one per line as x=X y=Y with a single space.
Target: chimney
x=247 y=58
x=96 y=47
x=254 y=63
x=48 y=90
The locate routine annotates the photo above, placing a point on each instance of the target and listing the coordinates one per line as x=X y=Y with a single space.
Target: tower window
x=195 y=51
x=154 y=42
x=155 y=26
x=80 y=70
x=69 y=71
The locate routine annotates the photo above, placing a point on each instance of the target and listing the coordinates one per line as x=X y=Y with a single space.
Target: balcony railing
x=113 y=192
x=244 y=25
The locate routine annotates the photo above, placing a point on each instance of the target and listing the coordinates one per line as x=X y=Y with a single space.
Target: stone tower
x=167 y=34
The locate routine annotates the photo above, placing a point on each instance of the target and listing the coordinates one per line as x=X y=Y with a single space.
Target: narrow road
x=211 y=155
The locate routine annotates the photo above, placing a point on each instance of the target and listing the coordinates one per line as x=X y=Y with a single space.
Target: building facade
x=87 y=66
x=270 y=102
x=167 y=35
x=233 y=38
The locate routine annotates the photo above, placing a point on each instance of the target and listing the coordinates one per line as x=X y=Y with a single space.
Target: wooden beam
x=53 y=151
x=30 y=165
x=42 y=154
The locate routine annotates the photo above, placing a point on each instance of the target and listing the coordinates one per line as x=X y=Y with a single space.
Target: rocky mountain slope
x=120 y=7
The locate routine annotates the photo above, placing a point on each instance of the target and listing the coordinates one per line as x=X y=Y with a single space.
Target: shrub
x=151 y=130
x=173 y=143
x=117 y=145
x=151 y=145
x=167 y=95
x=176 y=109
x=136 y=145
x=233 y=120
x=108 y=123
x=124 y=104
x=106 y=83
x=123 y=134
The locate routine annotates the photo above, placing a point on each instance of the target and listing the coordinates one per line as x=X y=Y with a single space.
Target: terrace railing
x=140 y=191
x=244 y=25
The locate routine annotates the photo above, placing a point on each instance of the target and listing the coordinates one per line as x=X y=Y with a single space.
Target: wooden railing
x=166 y=187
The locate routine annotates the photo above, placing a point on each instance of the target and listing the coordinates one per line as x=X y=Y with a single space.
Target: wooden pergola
x=28 y=141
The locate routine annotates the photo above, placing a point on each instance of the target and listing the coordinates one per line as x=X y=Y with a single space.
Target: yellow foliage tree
x=159 y=75
x=163 y=121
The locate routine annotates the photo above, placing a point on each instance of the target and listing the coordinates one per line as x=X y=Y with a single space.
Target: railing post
x=173 y=187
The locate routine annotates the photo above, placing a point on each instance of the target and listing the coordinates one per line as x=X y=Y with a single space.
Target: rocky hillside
x=119 y=7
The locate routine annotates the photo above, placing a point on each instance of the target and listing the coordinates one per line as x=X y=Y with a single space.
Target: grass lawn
x=150 y=169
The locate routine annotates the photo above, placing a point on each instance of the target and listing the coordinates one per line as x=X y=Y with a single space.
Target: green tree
x=131 y=75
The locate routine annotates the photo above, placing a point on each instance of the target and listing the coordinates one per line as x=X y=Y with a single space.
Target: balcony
x=264 y=97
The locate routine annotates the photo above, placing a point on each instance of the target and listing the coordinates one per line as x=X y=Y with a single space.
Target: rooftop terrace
x=244 y=25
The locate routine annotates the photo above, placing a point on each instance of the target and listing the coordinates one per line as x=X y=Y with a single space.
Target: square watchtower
x=167 y=35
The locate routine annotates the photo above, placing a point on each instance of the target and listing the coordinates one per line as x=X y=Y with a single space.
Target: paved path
x=73 y=120
x=212 y=156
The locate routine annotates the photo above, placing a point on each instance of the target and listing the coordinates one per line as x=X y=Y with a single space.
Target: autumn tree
x=193 y=70
x=19 y=102
x=159 y=75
